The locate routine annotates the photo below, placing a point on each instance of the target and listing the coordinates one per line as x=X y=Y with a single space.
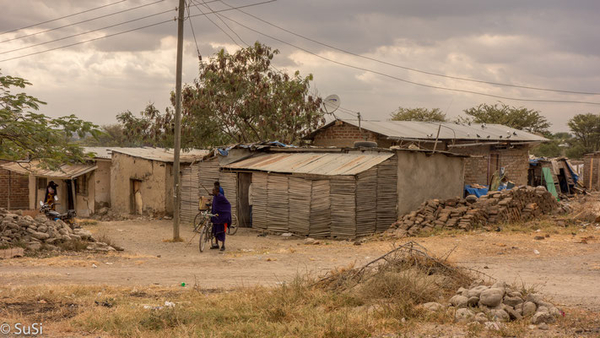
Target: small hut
x=321 y=194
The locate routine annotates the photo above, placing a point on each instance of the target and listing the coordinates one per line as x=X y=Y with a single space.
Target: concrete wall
x=156 y=184
x=422 y=177
x=102 y=184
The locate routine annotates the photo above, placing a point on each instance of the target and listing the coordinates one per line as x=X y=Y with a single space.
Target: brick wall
x=488 y=159
x=19 y=190
x=341 y=134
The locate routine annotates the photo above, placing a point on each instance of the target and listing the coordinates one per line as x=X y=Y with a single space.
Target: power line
x=223 y=21
x=415 y=69
x=408 y=81
x=123 y=32
x=83 y=21
x=194 y=33
x=87 y=32
x=214 y=23
x=63 y=17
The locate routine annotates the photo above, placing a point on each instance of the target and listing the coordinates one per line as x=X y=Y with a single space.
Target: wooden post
x=591 y=170
x=74 y=196
x=35 y=204
x=177 y=145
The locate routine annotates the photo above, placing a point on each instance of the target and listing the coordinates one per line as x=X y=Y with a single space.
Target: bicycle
x=203 y=226
x=231 y=228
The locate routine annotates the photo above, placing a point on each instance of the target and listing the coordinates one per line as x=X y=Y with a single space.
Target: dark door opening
x=244 y=200
x=135 y=197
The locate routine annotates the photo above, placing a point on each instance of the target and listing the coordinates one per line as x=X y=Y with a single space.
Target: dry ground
x=565 y=268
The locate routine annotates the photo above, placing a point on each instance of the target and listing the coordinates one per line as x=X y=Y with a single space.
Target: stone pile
x=522 y=203
x=41 y=233
x=499 y=303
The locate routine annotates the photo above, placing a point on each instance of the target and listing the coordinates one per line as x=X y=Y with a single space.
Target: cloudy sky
x=551 y=44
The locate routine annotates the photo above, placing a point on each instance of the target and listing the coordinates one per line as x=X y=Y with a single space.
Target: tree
x=111 y=135
x=26 y=135
x=519 y=118
x=237 y=98
x=586 y=134
x=419 y=114
x=151 y=129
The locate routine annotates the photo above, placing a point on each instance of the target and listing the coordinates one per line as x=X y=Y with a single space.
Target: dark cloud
x=544 y=43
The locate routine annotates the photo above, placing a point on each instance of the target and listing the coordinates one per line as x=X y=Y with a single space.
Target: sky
x=548 y=44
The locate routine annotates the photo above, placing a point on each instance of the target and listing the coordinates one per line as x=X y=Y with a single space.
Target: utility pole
x=177 y=147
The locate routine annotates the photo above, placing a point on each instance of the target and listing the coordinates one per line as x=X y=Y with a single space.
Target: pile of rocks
x=522 y=203
x=500 y=303
x=41 y=233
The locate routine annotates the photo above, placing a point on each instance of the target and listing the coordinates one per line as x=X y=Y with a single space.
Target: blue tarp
x=483 y=191
x=474 y=191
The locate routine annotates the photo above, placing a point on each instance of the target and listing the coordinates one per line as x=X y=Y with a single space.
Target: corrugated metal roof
x=415 y=130
x=161 y=154
x=65 y=172
x=100 y=152
x=312 y=163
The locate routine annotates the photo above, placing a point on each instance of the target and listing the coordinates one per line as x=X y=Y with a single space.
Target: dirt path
x=564 y=269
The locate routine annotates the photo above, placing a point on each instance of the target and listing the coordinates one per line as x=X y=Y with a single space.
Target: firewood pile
x=519 y=204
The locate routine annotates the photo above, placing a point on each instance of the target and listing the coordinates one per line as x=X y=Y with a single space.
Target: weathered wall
x=19 y=190
x=154 y=184
x=341 y=134
x=591 y=167
x=102 y=184
x=478 y=169
x=422 y=177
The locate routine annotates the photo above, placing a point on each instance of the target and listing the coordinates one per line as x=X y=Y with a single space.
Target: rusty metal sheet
x=312 y=163
x=65 y=172
x=161 y=154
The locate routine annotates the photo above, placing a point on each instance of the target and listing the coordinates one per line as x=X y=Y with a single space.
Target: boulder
x=491 y=297
x=433 y=306
x=542 y=317
x=529 y=309
x=40 y=235
x=500 y=315
x=459 y=301
x=513 y=301
x=476 y=291
x=463 y=315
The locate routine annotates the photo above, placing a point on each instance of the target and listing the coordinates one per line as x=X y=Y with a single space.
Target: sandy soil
x=565 y=269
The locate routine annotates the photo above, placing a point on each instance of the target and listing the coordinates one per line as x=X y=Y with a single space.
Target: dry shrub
x=399 y=281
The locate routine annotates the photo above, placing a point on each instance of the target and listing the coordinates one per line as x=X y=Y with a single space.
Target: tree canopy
x=419 y=114
x=586 y=134
x=27 y=135
x=237 y=98
x=519 y=118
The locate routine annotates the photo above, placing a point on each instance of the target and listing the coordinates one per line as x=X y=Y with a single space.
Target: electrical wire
x=83 y=21
x=87 y=32
x=62 y=17
x=466 y=91
x=214 y=23
x=415 y=69
x=223 y=21
x=120 y=33
x=193 y=33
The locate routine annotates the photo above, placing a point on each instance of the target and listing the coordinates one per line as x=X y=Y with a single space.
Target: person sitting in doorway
x=51 y=195
x=221 y=208
x=218 y=186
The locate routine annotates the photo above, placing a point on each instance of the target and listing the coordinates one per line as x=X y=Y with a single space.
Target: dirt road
x=565 y=269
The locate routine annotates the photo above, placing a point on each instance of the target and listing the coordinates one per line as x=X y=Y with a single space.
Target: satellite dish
x=331 y=103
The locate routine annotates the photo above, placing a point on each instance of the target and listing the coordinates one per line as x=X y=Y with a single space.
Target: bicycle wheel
x=198 y=221
x=205 y=235
x=233 y=228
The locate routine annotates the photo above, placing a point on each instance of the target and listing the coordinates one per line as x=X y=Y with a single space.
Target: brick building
x=14 y=190
x=492 y=147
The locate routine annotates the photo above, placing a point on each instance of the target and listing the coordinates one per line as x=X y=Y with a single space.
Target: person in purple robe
x=222 y=209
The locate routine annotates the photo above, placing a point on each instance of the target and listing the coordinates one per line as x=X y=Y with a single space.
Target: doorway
x=136 y=205
x=244 y=200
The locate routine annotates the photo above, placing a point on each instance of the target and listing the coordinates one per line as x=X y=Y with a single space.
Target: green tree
x=152 y=128
x=27 y=135
x=419 y=114
x=111 y=135
x=519 y=118
x=237 y=98
x=586 y=134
